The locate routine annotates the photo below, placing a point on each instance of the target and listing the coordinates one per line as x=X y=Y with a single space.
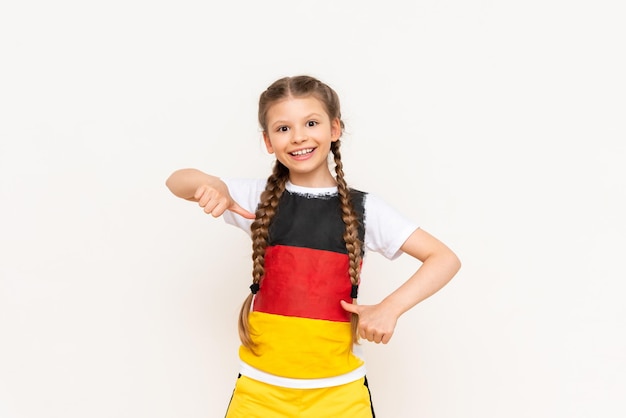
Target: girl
x=300 y=324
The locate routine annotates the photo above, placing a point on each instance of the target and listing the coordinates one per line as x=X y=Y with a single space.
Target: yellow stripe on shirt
x=299 y=348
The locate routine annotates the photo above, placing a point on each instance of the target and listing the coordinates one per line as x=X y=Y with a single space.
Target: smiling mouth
x=302 y=152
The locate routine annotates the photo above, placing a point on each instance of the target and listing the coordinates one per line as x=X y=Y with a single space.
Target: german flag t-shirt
x=301 y=333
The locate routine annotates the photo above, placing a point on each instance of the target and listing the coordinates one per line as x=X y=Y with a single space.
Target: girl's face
x=299 y=132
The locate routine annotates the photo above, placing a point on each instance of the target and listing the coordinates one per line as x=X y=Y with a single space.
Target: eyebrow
x=309 y=116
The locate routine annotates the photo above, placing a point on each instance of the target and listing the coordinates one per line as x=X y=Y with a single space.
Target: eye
x=311 y=123
x=282 y=129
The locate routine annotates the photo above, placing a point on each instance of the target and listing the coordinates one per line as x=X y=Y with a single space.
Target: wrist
x=393 y=306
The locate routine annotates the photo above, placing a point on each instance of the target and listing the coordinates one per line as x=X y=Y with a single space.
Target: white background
x=498 y=125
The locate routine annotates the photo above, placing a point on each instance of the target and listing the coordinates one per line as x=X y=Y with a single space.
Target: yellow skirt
x=254 y=399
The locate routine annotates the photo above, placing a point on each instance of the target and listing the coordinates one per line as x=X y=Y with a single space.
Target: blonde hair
x=299 y=86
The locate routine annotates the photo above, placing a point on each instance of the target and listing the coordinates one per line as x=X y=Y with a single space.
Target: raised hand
x=216 y=200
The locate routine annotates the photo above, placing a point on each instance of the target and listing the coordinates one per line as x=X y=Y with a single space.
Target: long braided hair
x=299 y=86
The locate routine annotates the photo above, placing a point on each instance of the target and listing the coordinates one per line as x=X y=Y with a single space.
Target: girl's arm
x=209 y=191
x=439 y=265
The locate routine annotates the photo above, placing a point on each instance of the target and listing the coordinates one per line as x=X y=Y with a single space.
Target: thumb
x=350 y=307
x=241 y=211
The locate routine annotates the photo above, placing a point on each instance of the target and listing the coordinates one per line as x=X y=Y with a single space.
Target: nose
x=299 y=136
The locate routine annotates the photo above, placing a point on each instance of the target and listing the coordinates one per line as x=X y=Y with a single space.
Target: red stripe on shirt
x=304 y=282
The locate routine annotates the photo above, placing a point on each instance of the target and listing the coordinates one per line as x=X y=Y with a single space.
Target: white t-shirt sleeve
x=386 y=229
x=247 y=193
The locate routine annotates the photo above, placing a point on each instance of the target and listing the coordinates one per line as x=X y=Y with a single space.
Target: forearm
x=439 y=265
x=184 y=182
x=434 y=273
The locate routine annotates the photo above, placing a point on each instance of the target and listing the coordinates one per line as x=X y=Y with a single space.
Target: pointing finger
x=350 y=307
x=241 y=211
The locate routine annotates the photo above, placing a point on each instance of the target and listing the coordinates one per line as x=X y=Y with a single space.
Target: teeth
x=302 y=151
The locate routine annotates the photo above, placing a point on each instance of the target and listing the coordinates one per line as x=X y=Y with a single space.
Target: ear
x=268 y=144
x=335 y=129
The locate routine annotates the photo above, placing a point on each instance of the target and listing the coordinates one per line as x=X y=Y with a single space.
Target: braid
x=351 y=232
x=265 y=212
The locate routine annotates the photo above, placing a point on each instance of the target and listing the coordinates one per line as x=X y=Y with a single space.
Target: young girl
x=300 y=324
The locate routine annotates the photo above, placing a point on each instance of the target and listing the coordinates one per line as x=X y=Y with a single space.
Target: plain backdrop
x=499 y=126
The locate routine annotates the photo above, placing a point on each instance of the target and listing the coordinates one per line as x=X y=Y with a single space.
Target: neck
x=326 y=180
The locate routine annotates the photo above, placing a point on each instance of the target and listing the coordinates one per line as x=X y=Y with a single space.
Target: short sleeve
x=386 y=229
x=247 y=193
